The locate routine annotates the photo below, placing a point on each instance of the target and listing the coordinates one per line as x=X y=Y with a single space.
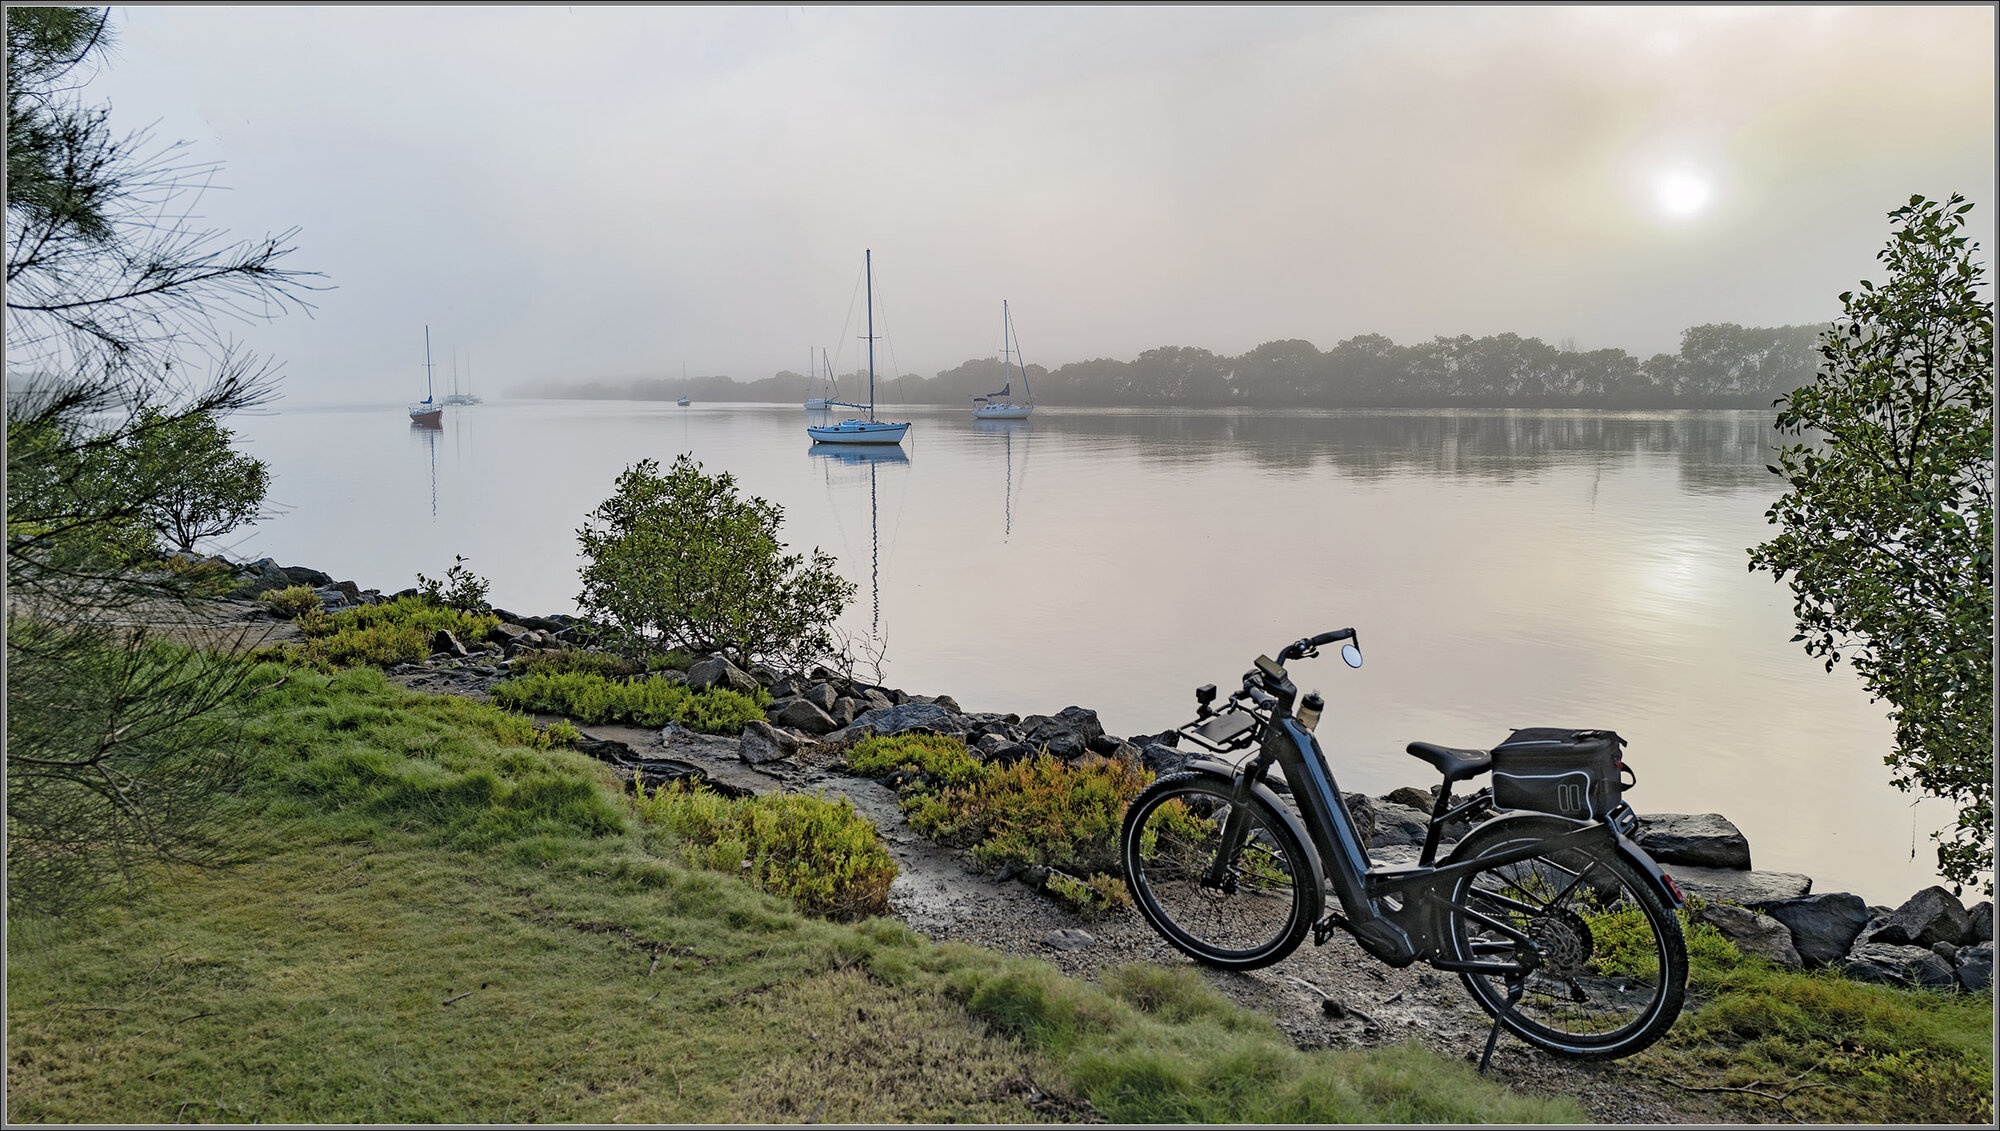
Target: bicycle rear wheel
x=1609 y=962
x=1268 y=895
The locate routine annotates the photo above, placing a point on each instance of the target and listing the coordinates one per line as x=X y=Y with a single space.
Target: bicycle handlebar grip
x=1330 y=637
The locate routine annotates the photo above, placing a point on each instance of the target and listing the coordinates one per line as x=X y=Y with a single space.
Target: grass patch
x=440 y=925
x=1039 y=811
x=394 y=632
x=650 y=702
x=822 y=855
x=1833 y=1050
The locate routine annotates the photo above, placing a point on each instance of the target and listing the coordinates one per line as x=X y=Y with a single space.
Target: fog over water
x=1505 y=569
x=599 y=192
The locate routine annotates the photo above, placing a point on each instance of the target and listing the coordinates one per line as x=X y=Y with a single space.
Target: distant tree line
x=1720 y=365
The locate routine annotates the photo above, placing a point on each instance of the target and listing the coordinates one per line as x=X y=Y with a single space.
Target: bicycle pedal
x=1323 y=930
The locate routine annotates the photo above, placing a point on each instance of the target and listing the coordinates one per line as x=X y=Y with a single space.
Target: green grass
x=591 y=697
x=1833 y=1050
x=435 y=923
x=394 y=632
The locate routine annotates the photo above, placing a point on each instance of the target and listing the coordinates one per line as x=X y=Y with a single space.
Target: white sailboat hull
x=1003 y=411
x=858 y=432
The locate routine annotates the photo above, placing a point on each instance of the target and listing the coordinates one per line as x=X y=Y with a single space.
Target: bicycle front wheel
x=1598 y=963
x=1251 y=911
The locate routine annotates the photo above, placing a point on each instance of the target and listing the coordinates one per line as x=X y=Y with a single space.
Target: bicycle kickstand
x=1514 y=991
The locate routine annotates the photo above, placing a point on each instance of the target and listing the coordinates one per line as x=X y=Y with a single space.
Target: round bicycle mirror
x=1351 y=654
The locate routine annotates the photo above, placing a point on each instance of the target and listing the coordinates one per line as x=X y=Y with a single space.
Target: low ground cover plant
x=394 y=632
x=822 y=855
x=654 y=701
x=1036 y=812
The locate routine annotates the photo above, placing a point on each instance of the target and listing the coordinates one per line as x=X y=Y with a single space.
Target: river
x=1504 y=569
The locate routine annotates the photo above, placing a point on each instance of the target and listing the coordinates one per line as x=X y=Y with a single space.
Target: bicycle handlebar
x=1304 y=647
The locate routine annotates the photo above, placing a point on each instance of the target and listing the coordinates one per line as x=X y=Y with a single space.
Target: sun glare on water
x=1681 y=194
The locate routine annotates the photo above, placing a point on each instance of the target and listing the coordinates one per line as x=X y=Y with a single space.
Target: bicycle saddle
x=1455 y=765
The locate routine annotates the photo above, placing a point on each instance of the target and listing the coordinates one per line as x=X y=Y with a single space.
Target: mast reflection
x=870 y=457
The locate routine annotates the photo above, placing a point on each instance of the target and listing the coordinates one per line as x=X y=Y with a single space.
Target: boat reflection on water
x=1008 y=429
x=870 y=457
x=427 y=435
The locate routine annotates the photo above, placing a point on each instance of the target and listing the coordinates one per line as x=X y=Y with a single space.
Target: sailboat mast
x=868 y=261
x=427 y=365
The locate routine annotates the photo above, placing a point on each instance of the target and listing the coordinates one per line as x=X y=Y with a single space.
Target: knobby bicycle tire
x=1613 y=965
x=1268 y=900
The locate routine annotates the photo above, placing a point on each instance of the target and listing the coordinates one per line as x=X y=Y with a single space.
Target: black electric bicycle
x=1561 y=927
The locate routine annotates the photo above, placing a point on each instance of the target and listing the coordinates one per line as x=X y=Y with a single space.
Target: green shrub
x=395 y=632
x=945 y=761
x=461 y=590
x=823 y=855
x=291 y=601
x=654 y=701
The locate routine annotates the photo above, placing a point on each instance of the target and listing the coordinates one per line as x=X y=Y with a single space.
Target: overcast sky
x=603 y=192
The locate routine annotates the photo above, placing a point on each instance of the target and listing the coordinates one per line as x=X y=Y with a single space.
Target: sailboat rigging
x=854 y=430
x=427 y=413
x=1001 y=405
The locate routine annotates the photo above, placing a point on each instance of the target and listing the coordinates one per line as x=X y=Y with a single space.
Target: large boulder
x=1705 y=840
x=1896 y=965
x=820 y=695
x=1981 y=915
x=1749 y=889
x=1067 y=734
x=1163 y=759
x=1823 y=927
x=1396 y=823
x=1975 y=967
x=1752 y=933
x=801 y=714
x=1419 y=799
x=909 y=716
x=716 y=671
x=1931 y=916
x=761 y=742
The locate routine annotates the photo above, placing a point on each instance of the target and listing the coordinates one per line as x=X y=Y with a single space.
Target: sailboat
x=456 y=397
x=427 y=413
x=1000 y=405
x=818 y=403
x=871 y=430
x=684 y=401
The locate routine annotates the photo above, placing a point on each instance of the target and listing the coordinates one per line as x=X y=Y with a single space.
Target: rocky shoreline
x=1931 y=940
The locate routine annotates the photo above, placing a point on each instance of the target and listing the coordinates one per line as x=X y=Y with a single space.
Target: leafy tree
x=1886 y=532
x=116 y=359
x=192 y=484
x=681 y=561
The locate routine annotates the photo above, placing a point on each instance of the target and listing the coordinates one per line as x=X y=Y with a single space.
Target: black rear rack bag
x=1571 y=773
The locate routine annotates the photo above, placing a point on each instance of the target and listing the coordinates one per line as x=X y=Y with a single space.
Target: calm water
x=1505 y=569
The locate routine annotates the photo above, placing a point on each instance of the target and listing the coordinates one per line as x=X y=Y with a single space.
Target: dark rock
x=1009 y=753
x=820 y=695
x=1975 y=967
x=1396 y=823
x=443 y=641
x=912 y=716
x=1931 y=916
x=1105 y=744
x=876 y=700
x=897 y=779
x=1063 y=745
x=1895 y=965
x=1729 y=885
x=944 y=701
x=505 y=632
x=761 y=742
x=764 y=676
x=1981 y=917
x=787 y=687
x=799 y=714
x=1164 y=738
x=1945 y=951
x=348 y=590
x=1411 y=797
x=652 y=773
x=304 y=575
x=1705 y=840
x=1362 y=808
x=845 y=710
x=715 y=671
x=606 y=749
x=1752 y=932
x=1823 y=927
x=1122 y=751
x=331 y=598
